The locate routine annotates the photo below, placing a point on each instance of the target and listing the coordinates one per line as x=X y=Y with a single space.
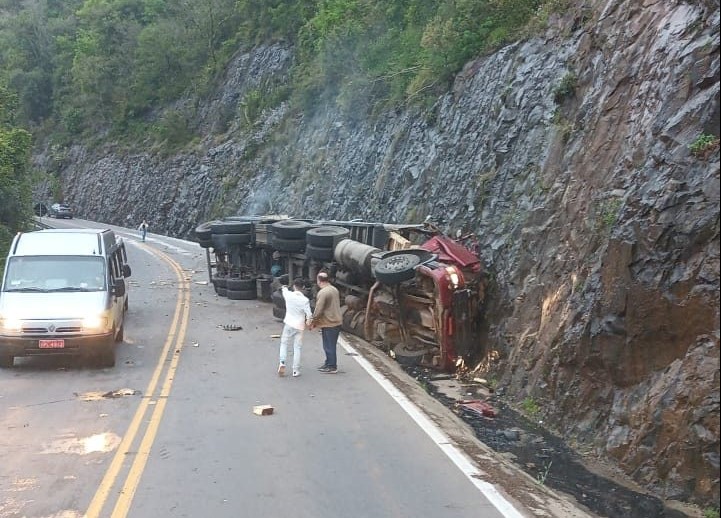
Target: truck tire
x=290 y=229
x=219 y=242
x=287 y=245
x=396 y=268
x=205 y=243
x=232 y=227
x=238 y=284
x=319 y=253
x=278 y=313
x=222 y=292
x=220 y=282
x=203 y=231
x=277 y=298
x=242 y=294
x=238 y=239
x=326 y=236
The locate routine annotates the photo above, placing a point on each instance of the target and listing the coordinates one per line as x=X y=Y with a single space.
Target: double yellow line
x=166 y=367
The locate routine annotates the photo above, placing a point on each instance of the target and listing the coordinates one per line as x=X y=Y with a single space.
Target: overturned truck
x=409 y=289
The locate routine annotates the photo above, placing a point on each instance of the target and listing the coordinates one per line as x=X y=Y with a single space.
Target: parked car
x=61 y=210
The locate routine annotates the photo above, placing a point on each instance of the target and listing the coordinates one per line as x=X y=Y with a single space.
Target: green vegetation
x=543 y=474
x=608 y=213
x=704 y=145
x=83 y=68
x=565 y=88
x=15 y=143
x=711 y=513
x=530 y=407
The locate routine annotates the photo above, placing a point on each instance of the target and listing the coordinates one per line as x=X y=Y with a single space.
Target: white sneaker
x=281 y=370
x=296 y=374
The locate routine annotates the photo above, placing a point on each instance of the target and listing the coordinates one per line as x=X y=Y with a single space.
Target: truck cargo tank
x=356 y=257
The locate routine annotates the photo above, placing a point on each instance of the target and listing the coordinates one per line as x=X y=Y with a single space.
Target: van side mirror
x=126 y=270
x=119 y=288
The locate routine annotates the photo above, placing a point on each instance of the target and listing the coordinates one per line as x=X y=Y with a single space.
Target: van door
x=117 y=308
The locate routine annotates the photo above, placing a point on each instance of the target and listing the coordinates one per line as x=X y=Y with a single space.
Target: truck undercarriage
x=409 y=289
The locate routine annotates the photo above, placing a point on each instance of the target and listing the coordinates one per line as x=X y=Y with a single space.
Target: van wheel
x=125 y=306
x=6 y=361
x=121 y=333
x=105 y=357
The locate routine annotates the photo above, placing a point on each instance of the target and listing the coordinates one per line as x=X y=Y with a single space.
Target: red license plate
x=51 y=344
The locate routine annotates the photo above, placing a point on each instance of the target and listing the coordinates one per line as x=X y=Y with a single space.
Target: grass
x=530 y=407
x=704 y=145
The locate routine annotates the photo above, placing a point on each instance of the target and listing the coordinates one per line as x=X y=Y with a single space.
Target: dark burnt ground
x=547 y=459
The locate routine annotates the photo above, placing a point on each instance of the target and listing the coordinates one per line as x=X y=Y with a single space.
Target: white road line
x=459 y=458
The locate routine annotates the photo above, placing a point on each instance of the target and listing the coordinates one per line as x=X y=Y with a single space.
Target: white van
x=63 y=292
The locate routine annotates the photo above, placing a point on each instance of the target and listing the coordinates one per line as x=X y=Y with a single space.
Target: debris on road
x=275 y=336
x=479 y=407
x=231 y=327
x=263 y=410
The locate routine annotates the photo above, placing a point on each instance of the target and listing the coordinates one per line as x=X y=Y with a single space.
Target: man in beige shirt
x=328 y=317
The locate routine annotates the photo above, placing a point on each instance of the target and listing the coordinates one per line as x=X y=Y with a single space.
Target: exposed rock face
x=569 y=155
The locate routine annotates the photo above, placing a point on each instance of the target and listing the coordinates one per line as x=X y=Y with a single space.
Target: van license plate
x=52 y=344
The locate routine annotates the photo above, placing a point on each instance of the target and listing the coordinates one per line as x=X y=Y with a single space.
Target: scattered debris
x=103 y=415
x=275 y=336
x=97 y=396
x=263 y=410
x=479 y=407
x=231 y=327
x=196 y=344
x=202 y=283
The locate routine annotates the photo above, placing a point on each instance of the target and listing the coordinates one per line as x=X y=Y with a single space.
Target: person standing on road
x=143 y=227
x=328 y=318
x=297 y=314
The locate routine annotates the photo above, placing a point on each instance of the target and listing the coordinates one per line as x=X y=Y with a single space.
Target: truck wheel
x=242 y=294
x=203 y=231
x=326 y=237
x=288 y=245
x=237 y=284
x=222 y=292
x=316 y=252
x=290 y=229
x=231 y=227
x=277 y=298
x=278 y=313
x=397 y=268
x=6 y=361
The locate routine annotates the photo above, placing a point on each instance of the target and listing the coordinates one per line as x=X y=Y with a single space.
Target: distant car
x=61 y=210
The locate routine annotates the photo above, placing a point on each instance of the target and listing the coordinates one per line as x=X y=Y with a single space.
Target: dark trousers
x=330 y=339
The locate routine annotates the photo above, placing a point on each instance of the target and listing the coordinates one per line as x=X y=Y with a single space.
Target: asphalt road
x=170 y=430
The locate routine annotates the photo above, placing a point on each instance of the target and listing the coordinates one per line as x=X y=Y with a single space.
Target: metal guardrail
x=39 y=224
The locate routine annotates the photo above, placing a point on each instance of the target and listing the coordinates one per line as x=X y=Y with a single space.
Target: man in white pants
x=297 y=314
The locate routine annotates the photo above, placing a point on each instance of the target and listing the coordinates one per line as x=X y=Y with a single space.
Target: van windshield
x=55 y=273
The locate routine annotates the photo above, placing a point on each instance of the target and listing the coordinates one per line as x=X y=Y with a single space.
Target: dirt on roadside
x=557 y=481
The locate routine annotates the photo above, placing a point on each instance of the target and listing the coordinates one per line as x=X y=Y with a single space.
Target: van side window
x=115 y=269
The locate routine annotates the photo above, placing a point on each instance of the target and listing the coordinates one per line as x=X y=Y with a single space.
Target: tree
x=15 y=146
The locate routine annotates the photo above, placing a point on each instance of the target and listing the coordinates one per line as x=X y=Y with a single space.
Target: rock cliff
x=568 y=153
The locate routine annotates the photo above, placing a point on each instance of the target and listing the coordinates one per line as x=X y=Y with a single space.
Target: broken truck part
x=408 y=289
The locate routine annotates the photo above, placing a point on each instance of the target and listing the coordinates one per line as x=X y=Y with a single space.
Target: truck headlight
x=453 y=276
x=95 y=323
